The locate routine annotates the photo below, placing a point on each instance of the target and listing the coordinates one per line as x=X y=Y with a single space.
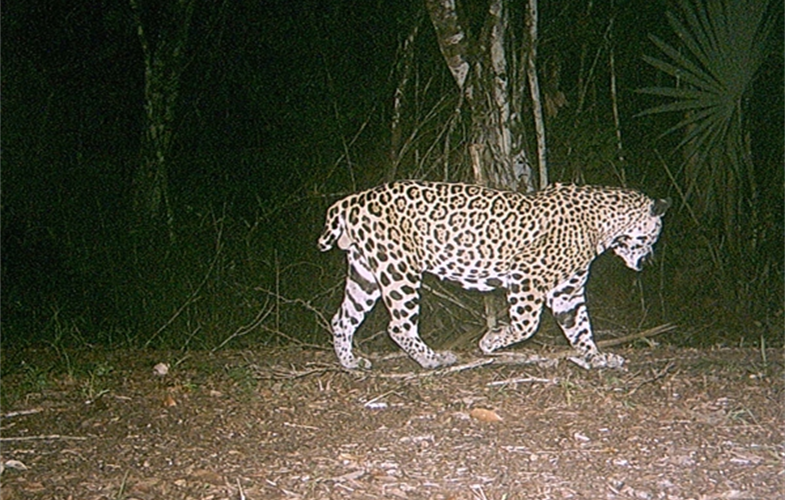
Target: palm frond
x=720 y=46
x=683 y=68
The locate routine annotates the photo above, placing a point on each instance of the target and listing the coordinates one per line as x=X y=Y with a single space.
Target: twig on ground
x=527 y=358
x=371 y=401
x=566 y=353
x=41 y=438
x=240 y=490
x=656 y=376
x=523 y=380
x=432 y=373
x=651 y=332
x=20 y=413
x=276 y=372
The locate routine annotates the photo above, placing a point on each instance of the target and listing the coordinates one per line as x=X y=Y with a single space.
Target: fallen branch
x=502 y=358
x=523 y=380
x=527 y=358
x=20 y=413
x=434 y=373
x=41 y=438
x=278 y=373
x=513 y=358
x=651 y=332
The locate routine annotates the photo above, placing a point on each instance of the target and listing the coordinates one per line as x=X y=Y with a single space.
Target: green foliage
x=722 y=45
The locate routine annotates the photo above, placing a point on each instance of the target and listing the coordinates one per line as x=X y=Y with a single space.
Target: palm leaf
x=684 y=69
x=721 y=45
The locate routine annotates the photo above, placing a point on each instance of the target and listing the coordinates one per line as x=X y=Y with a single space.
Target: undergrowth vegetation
x=239 y=278
x=243 y=270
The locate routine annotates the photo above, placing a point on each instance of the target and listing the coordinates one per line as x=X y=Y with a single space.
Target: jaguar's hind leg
x=401 y=294
x=360 y=295
x=568 y=304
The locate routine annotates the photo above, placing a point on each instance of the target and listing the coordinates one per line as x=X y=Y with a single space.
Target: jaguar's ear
x=658 y=207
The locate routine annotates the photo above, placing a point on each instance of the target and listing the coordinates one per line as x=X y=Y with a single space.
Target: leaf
x=14 y=464
x=484 y=415
x=719 y=47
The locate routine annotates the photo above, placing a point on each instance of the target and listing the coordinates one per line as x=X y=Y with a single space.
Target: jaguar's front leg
x=568 y=304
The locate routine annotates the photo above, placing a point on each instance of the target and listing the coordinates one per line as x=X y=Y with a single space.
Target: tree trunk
x=163 y=62
x=534 y=86
x=485 y=89
x=404 y=69
x=498 y=157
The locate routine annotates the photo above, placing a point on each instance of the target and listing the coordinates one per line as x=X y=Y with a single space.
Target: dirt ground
x=680 y=424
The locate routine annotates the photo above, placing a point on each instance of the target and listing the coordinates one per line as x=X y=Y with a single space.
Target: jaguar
x=537 y=247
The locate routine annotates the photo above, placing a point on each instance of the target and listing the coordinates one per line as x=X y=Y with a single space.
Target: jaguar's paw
x=494 y=339
x=356 y=363
x=443 y=358
x=600 y=360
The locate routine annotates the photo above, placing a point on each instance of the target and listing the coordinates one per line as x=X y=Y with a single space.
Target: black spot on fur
x=494 y=282
x=366 y=286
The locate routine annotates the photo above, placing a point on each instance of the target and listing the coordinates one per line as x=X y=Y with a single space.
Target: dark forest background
x=283 y=107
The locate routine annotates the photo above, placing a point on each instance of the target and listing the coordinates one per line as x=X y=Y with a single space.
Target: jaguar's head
x=636 y=243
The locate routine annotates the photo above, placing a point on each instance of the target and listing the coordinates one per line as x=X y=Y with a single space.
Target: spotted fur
x=538 y=247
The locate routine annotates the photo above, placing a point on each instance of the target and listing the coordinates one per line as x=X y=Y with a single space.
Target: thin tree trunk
x=484 y=86
x=534 y=86
x=453 y=41
x=404 y=69
x=500 y=140
x=621 y=171
x=163 y=60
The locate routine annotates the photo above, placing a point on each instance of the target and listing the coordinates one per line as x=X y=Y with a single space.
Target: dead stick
x=651 y=332
x=41 y=438
x=444 y=371
x=523 y=380
x=20 y=413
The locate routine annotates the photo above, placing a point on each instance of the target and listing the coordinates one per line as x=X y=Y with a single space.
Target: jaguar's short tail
x=333 y=227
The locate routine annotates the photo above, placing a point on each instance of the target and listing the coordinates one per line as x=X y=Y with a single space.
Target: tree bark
x=404 y=69
x=163 y=62
x=452 y=38
x=534 y=87
x=483 y=82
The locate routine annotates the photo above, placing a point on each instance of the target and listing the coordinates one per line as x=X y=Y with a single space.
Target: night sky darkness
x=270 y=90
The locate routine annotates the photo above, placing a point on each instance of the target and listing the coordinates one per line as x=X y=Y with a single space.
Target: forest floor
x=289 y=424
